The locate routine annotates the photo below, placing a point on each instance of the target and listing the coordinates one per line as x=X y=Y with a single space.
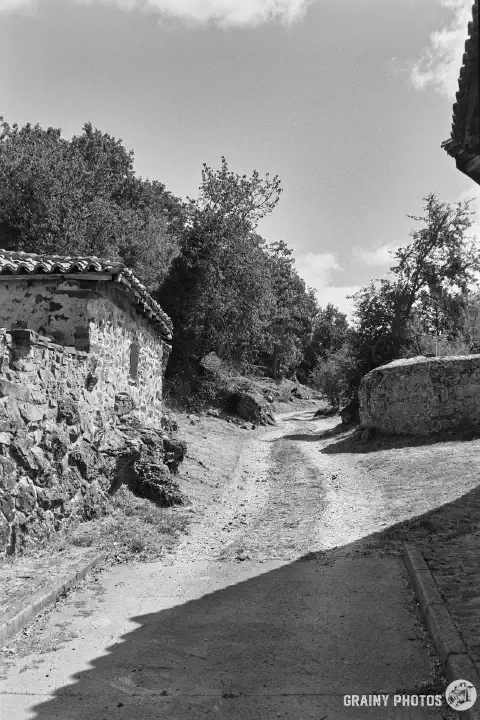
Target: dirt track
x=254 y=615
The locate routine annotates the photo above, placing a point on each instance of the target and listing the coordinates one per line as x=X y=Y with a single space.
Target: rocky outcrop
x=239 y=395
x=62 y=450
x=252 y=407
x=419 y=396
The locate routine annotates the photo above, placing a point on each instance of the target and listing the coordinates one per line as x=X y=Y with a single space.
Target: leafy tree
x=441 y=261
x=330 y=330
x=218 y=291
x=82 y=197
x=428 y=283
x=332 y=374
x=292 y=314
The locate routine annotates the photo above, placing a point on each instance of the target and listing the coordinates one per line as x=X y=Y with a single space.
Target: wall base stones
x=419 y=396
x=64 y=446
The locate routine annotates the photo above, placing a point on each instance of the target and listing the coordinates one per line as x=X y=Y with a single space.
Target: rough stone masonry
x=419 y=396
x=81 y=367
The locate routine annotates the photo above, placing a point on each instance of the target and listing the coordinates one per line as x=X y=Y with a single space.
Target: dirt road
x=269 y=608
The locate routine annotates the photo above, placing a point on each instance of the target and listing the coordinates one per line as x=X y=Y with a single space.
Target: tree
x=218 y=291
x=332 y=374
x=440 y=262
x=82 y=197
x=330 y=331
x=293 y=311
x=431 y=276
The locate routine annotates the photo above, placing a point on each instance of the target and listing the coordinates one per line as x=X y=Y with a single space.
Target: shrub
x=331 y=375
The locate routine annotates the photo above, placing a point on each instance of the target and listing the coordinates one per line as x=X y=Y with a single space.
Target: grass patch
x=135 y=529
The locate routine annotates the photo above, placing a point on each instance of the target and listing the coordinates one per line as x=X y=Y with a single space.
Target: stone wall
x=53 y=307
x=94 y=316
x=120 y=339
x=419 y=396
x=69 y=426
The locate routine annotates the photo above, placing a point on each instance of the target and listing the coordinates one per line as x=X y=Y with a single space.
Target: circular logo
x=461 y=695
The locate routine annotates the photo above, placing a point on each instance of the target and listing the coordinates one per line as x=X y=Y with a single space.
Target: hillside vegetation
x=228 y=290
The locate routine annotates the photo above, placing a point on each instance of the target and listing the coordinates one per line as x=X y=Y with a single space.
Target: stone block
x=67 y=410
x=124 y=404
x=7 y=506
x=14 y=390
x=22 y=454
x=4 y=532
x=51 y=497
x=8 y=474
x=32 y=413
x=25 y=496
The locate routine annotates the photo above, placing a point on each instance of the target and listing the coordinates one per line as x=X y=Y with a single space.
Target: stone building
x=464 y=141
x=91 y=306
x=82 y=351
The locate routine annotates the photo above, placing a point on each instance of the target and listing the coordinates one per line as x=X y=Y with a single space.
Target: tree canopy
x=81 y=196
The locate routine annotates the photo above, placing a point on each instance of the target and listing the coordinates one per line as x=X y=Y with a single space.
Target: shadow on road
x=352 y=442
x=283 y=643
x=349 y=439
x=338 y=429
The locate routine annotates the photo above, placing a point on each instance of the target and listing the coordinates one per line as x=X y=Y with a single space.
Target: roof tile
x=30 y=264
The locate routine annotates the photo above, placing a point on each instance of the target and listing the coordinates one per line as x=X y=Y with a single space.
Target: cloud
x=225 y=13
x=10 y=5
x=337 y=296
x=317 y=270
x=441 y=61
x=380 y=256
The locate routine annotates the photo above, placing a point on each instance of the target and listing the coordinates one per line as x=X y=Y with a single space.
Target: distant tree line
x=226 y=289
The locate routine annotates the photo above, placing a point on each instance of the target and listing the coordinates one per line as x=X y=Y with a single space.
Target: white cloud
x=226 y=13
x=337 y=295
x=317 y=270
x=9 y=5
x=440 y=64
x=380 y=256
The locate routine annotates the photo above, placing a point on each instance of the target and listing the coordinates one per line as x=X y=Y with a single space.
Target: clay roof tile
x=31 y=264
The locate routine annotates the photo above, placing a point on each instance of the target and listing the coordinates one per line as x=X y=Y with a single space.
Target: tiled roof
x=29 y=264
x=464 y=139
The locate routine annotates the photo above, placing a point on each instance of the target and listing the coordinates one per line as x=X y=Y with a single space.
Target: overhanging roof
x=464 y=141
x=21 y=265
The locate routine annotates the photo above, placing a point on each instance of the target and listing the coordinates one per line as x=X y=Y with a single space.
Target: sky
x=347 y=101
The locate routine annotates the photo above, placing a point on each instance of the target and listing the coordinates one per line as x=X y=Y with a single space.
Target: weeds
x=82 y=539
x=137 y=544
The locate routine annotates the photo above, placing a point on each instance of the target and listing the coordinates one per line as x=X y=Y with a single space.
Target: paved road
x=255 y=616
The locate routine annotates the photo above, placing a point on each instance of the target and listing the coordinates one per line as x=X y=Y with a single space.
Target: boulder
x=156 y=483
x=252 y=407
x=173 y=453
x=351 y=412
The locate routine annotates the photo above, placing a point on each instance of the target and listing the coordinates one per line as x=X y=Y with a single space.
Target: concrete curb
x=451 y=650
x=42 y=599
